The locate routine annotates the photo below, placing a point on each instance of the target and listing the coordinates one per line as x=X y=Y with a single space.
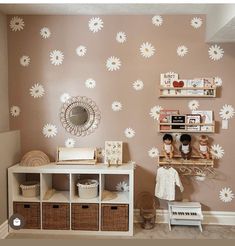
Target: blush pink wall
x=68 y=32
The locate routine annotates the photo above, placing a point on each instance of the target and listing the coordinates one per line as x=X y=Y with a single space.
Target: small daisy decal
x=90 y=83
x=217 y=151
x=157 y=20
x=138 y=85
x=227 y=112
x=218 y=81
x=147 y=50
x=37 y=91
x=56 y=57
x=49 y=130
x=193 y=105
x=155 y=112
x=122 y=186
x=15 y=111
x=196 y=22
x=121 y=37
x=64 y=97
x=69 y=143
x=153 y=153
x=16 y=24
x=81 y=50
x=215 y=52
x=129 y=133
x=113 y=63
x=95 y=24
x=24 y=61
x=45 y=32
x=116 y=106
x=226 y=195
x=182 y=50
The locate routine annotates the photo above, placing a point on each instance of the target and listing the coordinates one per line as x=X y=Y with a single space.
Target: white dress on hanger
x=165 y=183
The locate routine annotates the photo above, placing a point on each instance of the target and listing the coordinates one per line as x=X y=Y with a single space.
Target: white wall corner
x=4 y=230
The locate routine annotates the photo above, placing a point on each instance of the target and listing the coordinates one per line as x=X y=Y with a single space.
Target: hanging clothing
x=165 y=183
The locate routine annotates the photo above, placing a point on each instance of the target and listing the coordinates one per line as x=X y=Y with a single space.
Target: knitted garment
x=165 y=183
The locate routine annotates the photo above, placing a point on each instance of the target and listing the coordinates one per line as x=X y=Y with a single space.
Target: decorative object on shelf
x=204 y=149
x=194 y=119
x=168 y=148
x=165 y=118
x=108 y=195
x=146 y=203
x=206 y=120
x=175 y=119
x=185 y=213
x=30 y=188
x=49 y=194
x=34 y=158
x=87 y=188
x=113 y=152
x=185 y=147
x=122 y=186
x=84 y=156
x=80 y=116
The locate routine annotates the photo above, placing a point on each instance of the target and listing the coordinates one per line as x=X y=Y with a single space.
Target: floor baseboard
x=4 y=230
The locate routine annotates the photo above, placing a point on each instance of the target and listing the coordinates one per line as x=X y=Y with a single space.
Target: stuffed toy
x=204 y=149
x=168 y=147
x=185 y=147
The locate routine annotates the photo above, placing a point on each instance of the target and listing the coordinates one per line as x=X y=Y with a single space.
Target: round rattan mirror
x=80 y=116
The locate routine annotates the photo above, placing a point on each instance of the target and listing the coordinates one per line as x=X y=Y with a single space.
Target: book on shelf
x=166 y=80
x=178 y=119
x=195 y=83
x=210 y=84
x=165 y=117
x=178 y=84
x=194 y=119
x=206 y=118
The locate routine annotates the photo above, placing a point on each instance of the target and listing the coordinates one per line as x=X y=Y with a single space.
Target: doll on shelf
x=168 y=148
x=185 y=147
x=204 y=149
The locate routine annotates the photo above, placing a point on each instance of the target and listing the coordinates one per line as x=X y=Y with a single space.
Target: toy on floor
x=204 y=149
x=168 y=148
x=185 y=147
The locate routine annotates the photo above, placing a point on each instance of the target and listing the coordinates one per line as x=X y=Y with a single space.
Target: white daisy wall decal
x=121 y=37
x=129 y=133
x=193 y=105
x=64 y=97
x=69 y=143
x=95 y=24
x=157 y=20
x=24 y=61
x=116 y=106
x=122 y=186
x=147 y=50
x=155 y=112
x=138 y=85
x=90 y=83
x=182 y=50
x=153 y=152
x=56 y=57
x=16 y=24
x=37 y=91
x=227 y=112
x=217 y=151
x=15 y=111
x=45 y=32
x=218 y=81
x=49 y=130
x=226 y=195
x=113 y=63
x=215 y=52
x=196 y=22
x=81 y=50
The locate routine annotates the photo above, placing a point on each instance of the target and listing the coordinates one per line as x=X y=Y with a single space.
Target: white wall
x=4 y=107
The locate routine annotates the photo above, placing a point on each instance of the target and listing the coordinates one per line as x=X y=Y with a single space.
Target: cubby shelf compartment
x=120 y=198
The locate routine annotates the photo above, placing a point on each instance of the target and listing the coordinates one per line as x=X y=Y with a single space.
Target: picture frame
x=113 y=152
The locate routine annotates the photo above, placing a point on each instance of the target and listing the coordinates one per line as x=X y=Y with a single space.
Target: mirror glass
x=78 y=116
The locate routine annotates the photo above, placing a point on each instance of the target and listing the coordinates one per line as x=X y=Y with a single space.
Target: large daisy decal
x=129 y=133
x=138 y=85
x=90 y=83
x=182 y=50
x=155 y=112
x=49 y=130
x=113 y=63
x=64 y=97
x=37 y=91
x=193 y=105
x=147 y=50
x=116 y=106
x=196 y=22
x=153 y=152
x=69 y=143
x=217 y=151
x=157 y=20
x=227 y=112
x=215 y=52
x=16 y=24
x=24 y=61
x=95 y=24
x=121 y=37
x=15 y=111
x=81 y=50
x=45 y=32
x=56 y=57
x=226 y=195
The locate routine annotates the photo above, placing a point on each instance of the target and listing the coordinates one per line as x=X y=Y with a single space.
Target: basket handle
x=114 y=207
x=55 y=206
x=26 y=206
x=85 y=206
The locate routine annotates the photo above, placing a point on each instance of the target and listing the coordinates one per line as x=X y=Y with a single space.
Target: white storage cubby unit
x=70 y=198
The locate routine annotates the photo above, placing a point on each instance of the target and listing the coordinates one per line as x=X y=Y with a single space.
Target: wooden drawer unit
x=85 y=217
x=55 y=216
x=31 y=213
x=114 y=217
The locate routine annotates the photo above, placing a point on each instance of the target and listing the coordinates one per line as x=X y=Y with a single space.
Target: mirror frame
x=92 y=109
